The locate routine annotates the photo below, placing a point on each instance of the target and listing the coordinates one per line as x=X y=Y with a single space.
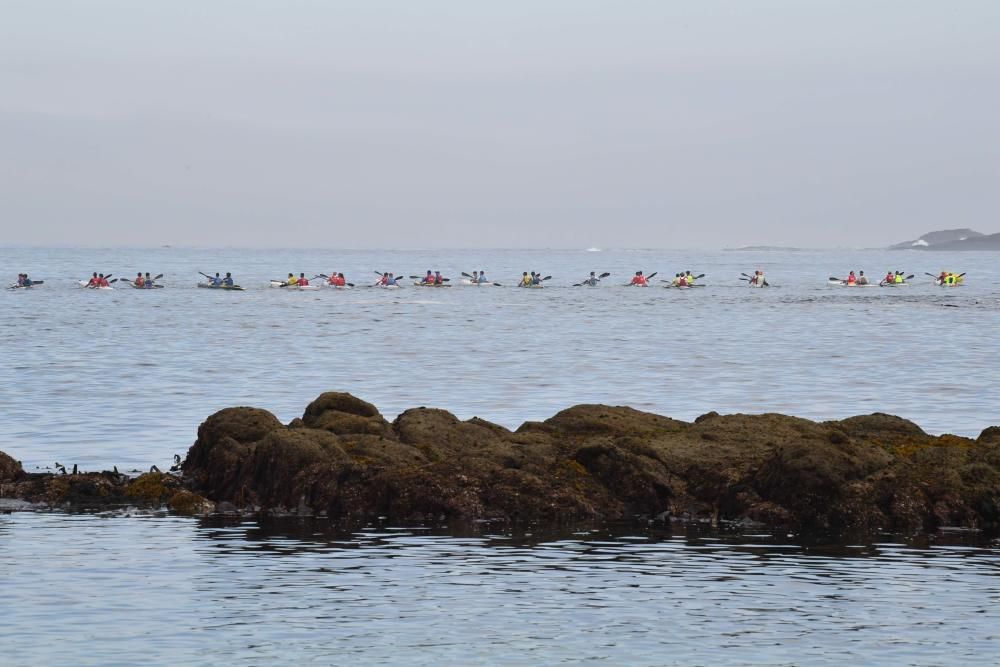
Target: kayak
x=234 y=288
x=893 y=284
x=682 y=286
x=941 y=284
x=420 y=284
x=16 y=286
x=329 y=286
x=385 y=286
x=469 y=283
x=153 y=286
x=310 y=287
x=531 y=286
x=85 y=284
x=844 y=283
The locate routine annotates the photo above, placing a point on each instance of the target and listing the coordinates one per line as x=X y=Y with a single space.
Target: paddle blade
x=466 y=275
x=350 y=284
x=547 y=278
x=604 y=275
x=651 y=275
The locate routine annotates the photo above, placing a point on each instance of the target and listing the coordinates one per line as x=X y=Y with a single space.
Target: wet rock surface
x=599 y=462
x=342 y=459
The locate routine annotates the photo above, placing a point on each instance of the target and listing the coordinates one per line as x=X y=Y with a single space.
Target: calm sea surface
x=124 y=377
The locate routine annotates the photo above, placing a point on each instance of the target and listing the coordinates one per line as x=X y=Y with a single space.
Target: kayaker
x=23 y=280
x=525 y=280
x=341 y=281
x=592 y=279
x=890 y=277
x=303 y=281
x=429 y=278
x=391 y=281
x=482 y=278
x=851 y=279
x=383 y=279
x=536 y=278
x=682 y=280
x=639 y=280
x=291 y=280
x=216 y=281
x=898 y=279
x=438 y=278
x=139 y=280
x=862 y=280
x=102 y=281
x=689 y=278
x=95 y=281
x=228 y=280
x=147 y=281
x=332 y=278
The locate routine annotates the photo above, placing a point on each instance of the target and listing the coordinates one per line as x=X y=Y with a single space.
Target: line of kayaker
x=528 y=279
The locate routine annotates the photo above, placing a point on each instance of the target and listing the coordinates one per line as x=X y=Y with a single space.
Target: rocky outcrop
x=342 y=459
x=598 y=462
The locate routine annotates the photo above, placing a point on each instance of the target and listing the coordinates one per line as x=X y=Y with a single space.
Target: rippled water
x=125 y=377
x=166 y=590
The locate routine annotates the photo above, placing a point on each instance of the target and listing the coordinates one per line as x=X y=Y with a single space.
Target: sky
x=453 y=124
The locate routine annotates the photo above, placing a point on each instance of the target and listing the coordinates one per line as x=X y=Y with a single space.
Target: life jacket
x=899 y=278
x=682 y=282
x=103 y=282
x=639 y=280
x=140 y=281
x=303 y=281
x=851 y=280
x=292 y=280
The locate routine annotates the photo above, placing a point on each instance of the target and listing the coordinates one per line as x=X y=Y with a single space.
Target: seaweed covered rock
x=10 y=470
x=600 y=462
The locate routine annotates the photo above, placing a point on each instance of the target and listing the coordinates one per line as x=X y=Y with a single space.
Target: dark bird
x=60 y=467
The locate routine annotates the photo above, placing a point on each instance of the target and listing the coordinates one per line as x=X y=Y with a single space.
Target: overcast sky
x=433 y=123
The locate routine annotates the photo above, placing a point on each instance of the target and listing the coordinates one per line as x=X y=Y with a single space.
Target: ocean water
x=93 y=589
x=124 y=377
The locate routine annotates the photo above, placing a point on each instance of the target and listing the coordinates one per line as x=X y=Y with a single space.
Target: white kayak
x=16 y=286
x=893 y=284
x=682 y=286
x=234 y=288
x=85 y=284
x=844 y=283
x=387 y=286
x=278 y=283
x=469 y=283
x=420 y=284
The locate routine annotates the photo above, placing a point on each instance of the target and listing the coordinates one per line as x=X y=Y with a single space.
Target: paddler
x=890 y=277
x=852 y=279
x=639 y=280
x=139 y=280
x=102 y=281
x=383 y=280
x=536 y=278
x=861 y=278
x=216 y=281
x=482 y=278
x=899 y=279
x=228 y=280
x=391 y=281
x=95 y=281
x=149 y=281
x=438 y=278
x=291 y=280
x=428 y=279
x=689 y=278
x=303 y=281
x=525 y=280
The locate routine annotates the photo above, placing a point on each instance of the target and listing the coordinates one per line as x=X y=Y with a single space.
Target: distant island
x=952 y=239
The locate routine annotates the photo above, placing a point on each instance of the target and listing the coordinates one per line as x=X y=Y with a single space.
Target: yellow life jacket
x=292 y=280
x=898 y=279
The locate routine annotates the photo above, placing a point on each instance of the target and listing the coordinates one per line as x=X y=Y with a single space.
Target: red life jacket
x=103 y=282
x=303 y=281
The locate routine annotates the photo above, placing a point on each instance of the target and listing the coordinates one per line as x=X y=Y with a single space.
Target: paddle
x=652 y=275
x=931 y=275
x=466 y=275
x=545 y=278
